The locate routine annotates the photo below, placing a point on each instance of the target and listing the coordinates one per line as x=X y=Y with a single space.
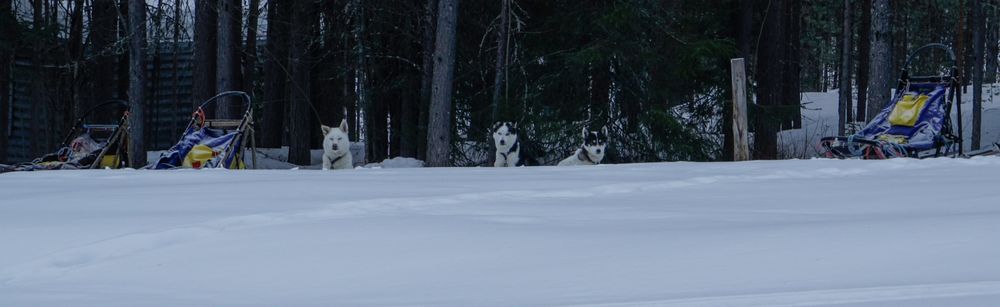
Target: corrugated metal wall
x=168 y=110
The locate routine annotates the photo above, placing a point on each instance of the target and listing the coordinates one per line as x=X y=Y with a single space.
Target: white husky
x=592 y=152
x=508 y=149
x=337 y=147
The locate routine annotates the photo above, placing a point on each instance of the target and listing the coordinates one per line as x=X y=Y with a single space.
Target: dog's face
x=504 y=134
x=335 y=139
x=595 y=143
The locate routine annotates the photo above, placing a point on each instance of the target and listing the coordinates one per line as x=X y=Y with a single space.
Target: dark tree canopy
x=655 y=73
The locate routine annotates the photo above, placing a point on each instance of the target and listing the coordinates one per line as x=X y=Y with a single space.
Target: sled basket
x=916 y=123
x=213 y=143
x=88 y=145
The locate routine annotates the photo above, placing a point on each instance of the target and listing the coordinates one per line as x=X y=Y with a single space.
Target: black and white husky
x=337 y=147
x=595 y=144
x=508 y=148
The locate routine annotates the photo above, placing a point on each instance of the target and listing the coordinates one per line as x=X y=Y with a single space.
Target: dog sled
x=88 y=145
x=916 y=123
x=213 y=143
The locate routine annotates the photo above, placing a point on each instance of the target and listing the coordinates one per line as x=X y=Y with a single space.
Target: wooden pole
x=741 y=148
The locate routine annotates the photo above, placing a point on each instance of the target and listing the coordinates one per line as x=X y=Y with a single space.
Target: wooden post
x=741 y=147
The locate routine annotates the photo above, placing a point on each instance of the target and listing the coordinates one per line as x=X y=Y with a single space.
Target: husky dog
x=508 y=148
x=592 y=152
x=336 y=147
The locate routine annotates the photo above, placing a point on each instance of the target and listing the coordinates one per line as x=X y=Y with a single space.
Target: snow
x=397 y=162
x=765 y=233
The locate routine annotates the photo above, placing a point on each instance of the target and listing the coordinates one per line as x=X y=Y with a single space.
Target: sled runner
x=213 y=143
x=88 y=145
x=991 y=151
x=916 y=123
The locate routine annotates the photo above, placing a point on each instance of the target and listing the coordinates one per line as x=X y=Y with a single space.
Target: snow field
x=764 y=233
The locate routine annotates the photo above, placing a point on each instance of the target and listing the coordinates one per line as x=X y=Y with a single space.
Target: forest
x=428 y=78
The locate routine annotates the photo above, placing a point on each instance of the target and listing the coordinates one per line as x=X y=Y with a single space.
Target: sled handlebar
x=121 y=103
x=243 y=96
x=123 y=107
x=947 y=50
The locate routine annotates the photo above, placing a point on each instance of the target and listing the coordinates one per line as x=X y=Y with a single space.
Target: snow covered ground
x=765 y=233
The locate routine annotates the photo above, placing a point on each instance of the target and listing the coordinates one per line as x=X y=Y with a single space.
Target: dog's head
x=595 y=143
x=504 y=134
x=335 y=139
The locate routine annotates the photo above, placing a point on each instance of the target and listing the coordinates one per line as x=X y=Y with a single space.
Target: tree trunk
x=427 y=51
x=844 y=108
x=376 y=125
x=206 y=17
x=137 y=82
x=991 y=48
x=408 y=113
x=38 y=89
x=978 y=42
x=880 y=80
x=123 y=59
x=351 y=103
x=439 y=125
x=75 y=57
x=864 y=55
x=777 y=94
x=746 y=29
x=275 y=74
x=791 y=116
x=250 y=65
x=8 y=28
x=960 y=51
x=395 y=107
x=408 y=109
x=103 y=32
x=503 y=31
x=154 y=82
x=174 y=124
x=228 y=74
x=327 y=82
x=360 y=69
x=600 y=89
x=769 y=92
x=299 y=131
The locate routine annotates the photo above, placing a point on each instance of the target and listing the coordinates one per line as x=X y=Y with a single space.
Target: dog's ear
x=326 y=130
x=343 y=125
x=604 y=130
x=514 y=124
